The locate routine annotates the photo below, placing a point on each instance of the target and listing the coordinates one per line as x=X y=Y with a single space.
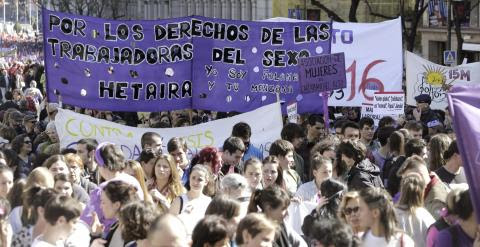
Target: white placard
x=389 y=103
x=265 y=122
x=425 y=77
x=292 y=114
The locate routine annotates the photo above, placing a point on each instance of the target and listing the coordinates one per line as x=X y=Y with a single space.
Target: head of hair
x=147 y=138
x=349 y=124
x=177 y=143
x=332 y=232
x=136 y=218
x=438 y=144
x=291 y=131
x=414 y=125
x=223 y=206
x=281 y=148
x=53 y=159
x=254 y=224
x=411 y=192
x=348 y=196
x=353 y=149
x=233 y=144
x=459 y=203
x=249 y=162
x=327 y=144
x=412 y=162
x=414 y=146
x=113 y=157
x=139 y=174
x=383 y=134
x=62 y=177
x=273 y=159
x=384 y=121
x=208 y=155
x=11 y=158
x=72 y=158
x=62 y=206
x=452 y=149
x=90 y=143
x=333 y=191
x=233 y=181
x=339 y=123
x=396 y=142
x=5 y=211
x=15 y=194
x=174 y=183
x=317 y=161
x=118 y=191
x=368 y=121
x=209 y=230
x=313 y=119
x=37 y=197
x=378 y=198
x=270 y=198
x=41 y=177
x=18 y=142
x=8 y=133
x=242 y=130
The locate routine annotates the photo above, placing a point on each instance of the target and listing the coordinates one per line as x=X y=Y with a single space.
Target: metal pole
x=17 y=9
x=305 y=9
x=449 y=25
x=4 y=19
x=36 y=12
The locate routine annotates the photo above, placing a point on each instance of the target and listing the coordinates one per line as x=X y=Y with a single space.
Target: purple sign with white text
x=190 y=62
x=322 y=73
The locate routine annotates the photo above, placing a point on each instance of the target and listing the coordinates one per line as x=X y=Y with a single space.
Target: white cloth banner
x=265 y=122
x=425 y=77
x=373 y=60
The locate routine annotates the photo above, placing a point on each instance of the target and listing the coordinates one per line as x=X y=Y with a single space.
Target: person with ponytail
x=273 y=202
x=377 y=214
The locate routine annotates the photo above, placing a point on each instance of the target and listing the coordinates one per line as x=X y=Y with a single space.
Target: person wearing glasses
x=348 y=212
x=22 y=145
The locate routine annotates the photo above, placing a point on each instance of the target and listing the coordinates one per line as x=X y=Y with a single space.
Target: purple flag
x=464 y=102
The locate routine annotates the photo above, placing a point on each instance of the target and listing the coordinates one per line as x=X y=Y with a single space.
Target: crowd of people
x=400 y=183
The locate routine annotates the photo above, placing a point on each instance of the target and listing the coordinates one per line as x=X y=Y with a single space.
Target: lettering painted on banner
x=425 y=77
x=178 y=63
x=266 y=124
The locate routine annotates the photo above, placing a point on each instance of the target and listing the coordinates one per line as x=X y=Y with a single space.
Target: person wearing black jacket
x=361 y=172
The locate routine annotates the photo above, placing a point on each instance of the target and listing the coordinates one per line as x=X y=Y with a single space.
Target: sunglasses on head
x=348 y=211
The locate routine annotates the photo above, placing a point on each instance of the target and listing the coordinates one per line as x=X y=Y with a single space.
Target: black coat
x=364 y=174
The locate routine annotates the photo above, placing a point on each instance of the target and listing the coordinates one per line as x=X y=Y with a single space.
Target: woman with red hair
x=212 y=159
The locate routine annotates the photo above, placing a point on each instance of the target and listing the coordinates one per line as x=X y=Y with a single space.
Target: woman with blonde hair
x=166 y=184
x=134 y=169
x=76 y=168
x=436 y=147
x=348 y=212
x=412 y=217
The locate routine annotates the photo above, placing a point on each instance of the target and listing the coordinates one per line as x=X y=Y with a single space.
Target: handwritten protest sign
x=425 y=77
x=189 y=62
x=389 y=103
x=322 y=73
x=266 y=124
x=292 y=112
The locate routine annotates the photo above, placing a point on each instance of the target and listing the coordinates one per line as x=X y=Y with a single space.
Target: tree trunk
x=352 y=15
x=458 y=32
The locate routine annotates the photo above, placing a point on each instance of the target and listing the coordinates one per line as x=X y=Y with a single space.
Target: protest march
x=210 y=132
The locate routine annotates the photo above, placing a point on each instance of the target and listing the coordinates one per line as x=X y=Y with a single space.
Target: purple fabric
x=190 y=62
x=445 y=239
x=322 y=73
x=94 y=204
x=464 y=103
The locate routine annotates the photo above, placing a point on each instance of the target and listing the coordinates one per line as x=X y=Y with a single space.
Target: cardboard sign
x=389 y=103
x=322 y=73
x=292 y=114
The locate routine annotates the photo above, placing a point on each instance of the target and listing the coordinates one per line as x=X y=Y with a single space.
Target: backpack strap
x=453 y=232
x=181 y=205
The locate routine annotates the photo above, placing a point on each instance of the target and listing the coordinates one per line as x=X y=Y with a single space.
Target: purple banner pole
x=464 y=105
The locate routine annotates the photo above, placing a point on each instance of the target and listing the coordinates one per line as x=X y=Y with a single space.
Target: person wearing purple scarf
x=111 y=162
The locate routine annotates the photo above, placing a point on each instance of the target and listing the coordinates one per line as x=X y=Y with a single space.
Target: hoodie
x=363 y=175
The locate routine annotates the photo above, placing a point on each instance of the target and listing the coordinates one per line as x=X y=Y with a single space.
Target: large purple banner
x=464 y=103
x=243 y=74
x=190 y=62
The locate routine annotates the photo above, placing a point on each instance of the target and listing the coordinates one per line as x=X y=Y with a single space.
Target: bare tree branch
x=330 y=13
x=352 y=14
x=373 y=13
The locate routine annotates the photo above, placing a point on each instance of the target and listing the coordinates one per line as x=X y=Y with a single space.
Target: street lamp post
x=449 y=25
